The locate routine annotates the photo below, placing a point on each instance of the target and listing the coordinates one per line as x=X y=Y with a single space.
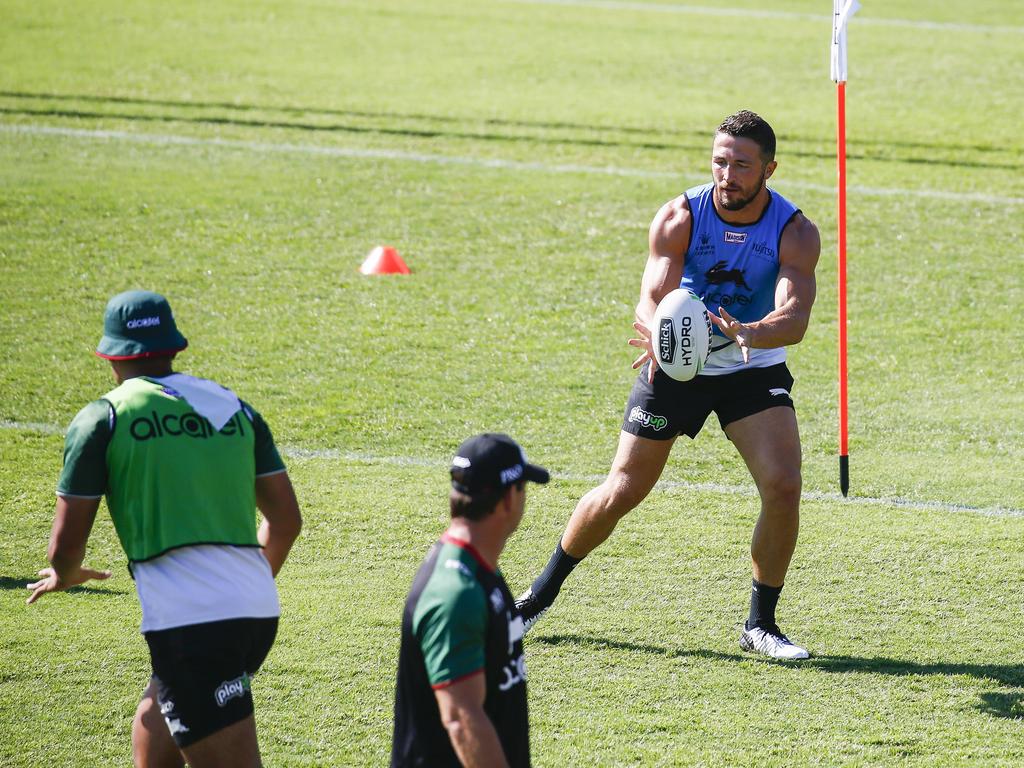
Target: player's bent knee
x=782 y=489
x=621 y=495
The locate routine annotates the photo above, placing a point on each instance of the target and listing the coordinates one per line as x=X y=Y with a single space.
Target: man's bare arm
x=72 y=523
x=282 y=520
x=795 y=292
x=472 y=733
x=668 y=240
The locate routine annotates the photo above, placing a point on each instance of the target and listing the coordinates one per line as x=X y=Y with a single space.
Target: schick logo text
x=232 y=689
x=666 y=340
x=735 y=237
x=642 y=417
x=189 y=424
x=143 y=322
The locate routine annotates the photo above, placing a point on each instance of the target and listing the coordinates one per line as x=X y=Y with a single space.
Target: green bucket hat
x=139 y=324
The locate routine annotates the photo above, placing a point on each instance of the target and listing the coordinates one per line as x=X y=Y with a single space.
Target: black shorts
x=202 y=673
x=667 y=408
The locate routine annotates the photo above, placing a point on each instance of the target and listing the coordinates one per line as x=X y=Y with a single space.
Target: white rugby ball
x=681 y=334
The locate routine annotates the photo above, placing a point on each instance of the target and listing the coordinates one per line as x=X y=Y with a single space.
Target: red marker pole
x=844 y=448
x=842 y=10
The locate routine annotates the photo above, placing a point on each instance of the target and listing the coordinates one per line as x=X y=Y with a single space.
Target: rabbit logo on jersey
x=639 y=416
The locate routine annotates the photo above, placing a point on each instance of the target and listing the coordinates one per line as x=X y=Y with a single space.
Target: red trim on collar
x=469 y=548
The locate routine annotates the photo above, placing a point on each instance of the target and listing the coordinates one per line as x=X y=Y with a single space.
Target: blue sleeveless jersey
x=735 y=266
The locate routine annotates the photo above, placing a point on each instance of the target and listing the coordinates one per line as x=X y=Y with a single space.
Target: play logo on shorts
x=639 y=416
x=232 y=689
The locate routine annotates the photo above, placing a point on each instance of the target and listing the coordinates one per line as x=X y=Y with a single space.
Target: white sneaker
x=529 y=610
x=770 y=642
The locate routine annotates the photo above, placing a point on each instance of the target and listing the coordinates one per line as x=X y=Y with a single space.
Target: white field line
x=355 y=457
x=703 y=10
x=164 y=139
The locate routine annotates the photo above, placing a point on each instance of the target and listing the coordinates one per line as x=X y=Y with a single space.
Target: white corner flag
x=842 y=10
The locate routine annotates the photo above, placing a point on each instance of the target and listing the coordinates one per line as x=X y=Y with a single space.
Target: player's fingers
x=93 y=574
x=642 y=329
x=33 y=585
x=725 y=314
x=34 y=596
x=640 y=360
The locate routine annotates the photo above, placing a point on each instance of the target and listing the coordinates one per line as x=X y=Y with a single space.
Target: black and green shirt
x=460 y=620
x=170 y=479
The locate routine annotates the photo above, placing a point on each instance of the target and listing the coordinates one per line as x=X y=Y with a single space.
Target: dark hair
x=477 y=507
x=748 y=125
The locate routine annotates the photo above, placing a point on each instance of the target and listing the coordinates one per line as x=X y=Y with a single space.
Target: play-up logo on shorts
x=143 y=322
x=735 y=237
x=232 y=689
x=642 y=417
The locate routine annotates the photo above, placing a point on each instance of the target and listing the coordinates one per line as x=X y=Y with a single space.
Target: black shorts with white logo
x=203 y=671
x=667 y=408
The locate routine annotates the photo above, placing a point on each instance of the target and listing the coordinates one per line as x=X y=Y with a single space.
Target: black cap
x=492 y=462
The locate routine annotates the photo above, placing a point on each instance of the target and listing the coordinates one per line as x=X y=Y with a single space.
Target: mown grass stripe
x=334 y=454
x=164 y=139
x=703 y=10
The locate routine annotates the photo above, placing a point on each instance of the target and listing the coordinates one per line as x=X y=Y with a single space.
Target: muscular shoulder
x=800 y=242
x=670 y=230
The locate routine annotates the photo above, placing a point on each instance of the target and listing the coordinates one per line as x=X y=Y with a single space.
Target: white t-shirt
x=203 y=583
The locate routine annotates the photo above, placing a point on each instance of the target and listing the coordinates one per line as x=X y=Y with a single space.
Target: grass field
x=242 y=158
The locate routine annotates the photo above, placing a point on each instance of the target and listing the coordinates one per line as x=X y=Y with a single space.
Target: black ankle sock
x=546 y=586
x=763 y=600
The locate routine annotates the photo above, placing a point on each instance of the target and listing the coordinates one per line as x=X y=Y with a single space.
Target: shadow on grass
x=1010 y=705
x=443 y=128
x=9 y=582
x=999 y=704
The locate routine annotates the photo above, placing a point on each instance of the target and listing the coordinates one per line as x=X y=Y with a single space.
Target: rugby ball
x=681 y=334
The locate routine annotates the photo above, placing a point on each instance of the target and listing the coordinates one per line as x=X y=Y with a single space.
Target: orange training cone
x=384 y=260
